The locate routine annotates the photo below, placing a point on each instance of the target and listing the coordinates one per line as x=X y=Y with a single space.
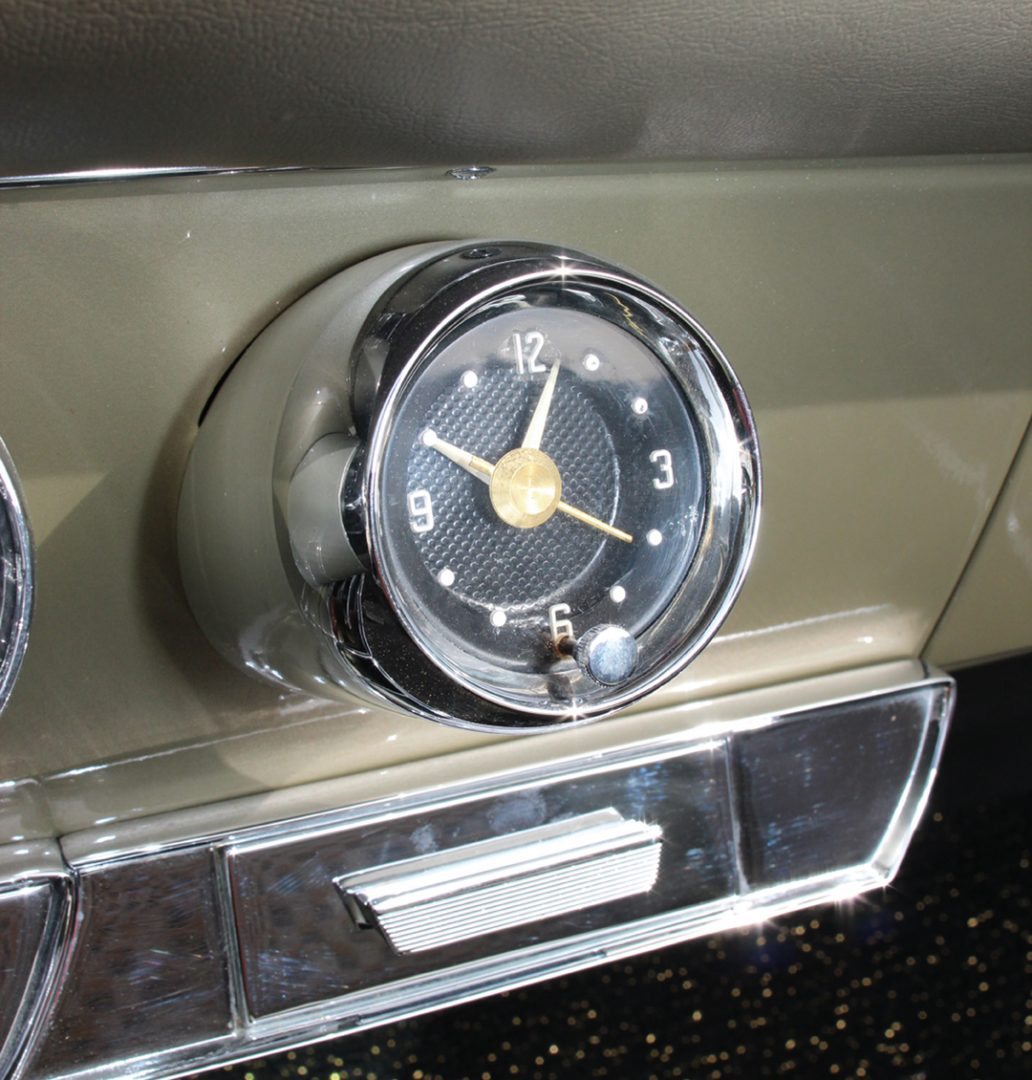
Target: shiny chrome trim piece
x=361 y=985
x=532 y=874
x=470 y=172
x=35 y=869
x=118 y=174
x=150 y=947
x=24 y=915
x=652 y=780
x=16 y=566
x=889 y=856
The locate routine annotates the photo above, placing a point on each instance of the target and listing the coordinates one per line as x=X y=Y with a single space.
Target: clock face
x=550 y=479
x=543 y=478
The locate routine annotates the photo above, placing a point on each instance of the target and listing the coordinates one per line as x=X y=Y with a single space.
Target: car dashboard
x=242 y=805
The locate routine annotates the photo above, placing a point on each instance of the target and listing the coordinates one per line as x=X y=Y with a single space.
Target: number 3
x=666 y=469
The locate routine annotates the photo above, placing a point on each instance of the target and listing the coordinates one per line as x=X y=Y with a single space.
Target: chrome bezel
x=411 y=323
x=17 y=567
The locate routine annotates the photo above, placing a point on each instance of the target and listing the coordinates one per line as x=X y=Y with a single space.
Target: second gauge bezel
x=410 y=325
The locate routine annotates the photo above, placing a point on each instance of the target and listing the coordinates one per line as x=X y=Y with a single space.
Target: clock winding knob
x=607 y=653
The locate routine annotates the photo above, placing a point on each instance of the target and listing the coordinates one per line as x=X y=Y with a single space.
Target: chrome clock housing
x=487 y=290
x=597 y=579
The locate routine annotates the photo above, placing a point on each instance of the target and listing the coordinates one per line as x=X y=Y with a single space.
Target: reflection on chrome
x=16 y=576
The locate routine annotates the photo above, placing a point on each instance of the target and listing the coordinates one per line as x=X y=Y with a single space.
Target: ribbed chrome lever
x=450 y=896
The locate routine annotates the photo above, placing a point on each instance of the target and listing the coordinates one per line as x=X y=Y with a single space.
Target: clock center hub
x=525 y=488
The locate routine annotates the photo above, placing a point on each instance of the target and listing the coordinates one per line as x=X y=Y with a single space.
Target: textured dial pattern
x=527 y=567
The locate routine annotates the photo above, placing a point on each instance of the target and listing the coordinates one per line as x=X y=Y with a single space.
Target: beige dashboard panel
x=875 y=312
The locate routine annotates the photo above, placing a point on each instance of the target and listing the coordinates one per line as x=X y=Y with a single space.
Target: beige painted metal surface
x=991 y=612
x=876 y=314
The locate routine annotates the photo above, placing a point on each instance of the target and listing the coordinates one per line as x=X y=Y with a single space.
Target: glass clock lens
x=542 y=477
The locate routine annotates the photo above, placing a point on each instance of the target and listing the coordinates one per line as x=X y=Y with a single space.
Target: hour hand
x=594 y=522
x=477 y=466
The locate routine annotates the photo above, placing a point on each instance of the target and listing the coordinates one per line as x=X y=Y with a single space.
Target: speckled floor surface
x=930 y=979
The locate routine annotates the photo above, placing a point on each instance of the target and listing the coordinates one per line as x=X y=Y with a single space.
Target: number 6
x=560 y=628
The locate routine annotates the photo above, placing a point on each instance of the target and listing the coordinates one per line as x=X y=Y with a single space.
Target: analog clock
x=529 y=497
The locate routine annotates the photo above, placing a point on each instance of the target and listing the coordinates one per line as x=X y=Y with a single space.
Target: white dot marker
x=654 y=537
x=618 y=594
x=591 y=362
x=470 y=379
x=640 y=406
x=446 y=578
x=428 y=438
x=498 y=617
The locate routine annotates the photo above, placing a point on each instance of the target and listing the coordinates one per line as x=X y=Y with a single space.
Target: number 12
x=528 y=348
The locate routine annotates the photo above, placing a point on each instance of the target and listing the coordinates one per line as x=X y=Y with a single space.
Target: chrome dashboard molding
x=36 y=906
x=255 y=1011
x=122 y=173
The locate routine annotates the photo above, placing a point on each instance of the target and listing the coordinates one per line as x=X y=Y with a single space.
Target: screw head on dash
x=470 y=172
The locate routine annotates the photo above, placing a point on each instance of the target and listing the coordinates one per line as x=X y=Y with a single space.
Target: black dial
x=503 y=601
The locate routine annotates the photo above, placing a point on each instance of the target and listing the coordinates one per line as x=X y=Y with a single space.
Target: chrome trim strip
x=912 y=805
x=147 y=942
x=24 y=912
x=227 y=922
x=99 y=176
x=119 y=174
x=36 y=867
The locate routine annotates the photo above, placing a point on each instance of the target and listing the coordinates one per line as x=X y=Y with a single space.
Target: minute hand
x=536 y=427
